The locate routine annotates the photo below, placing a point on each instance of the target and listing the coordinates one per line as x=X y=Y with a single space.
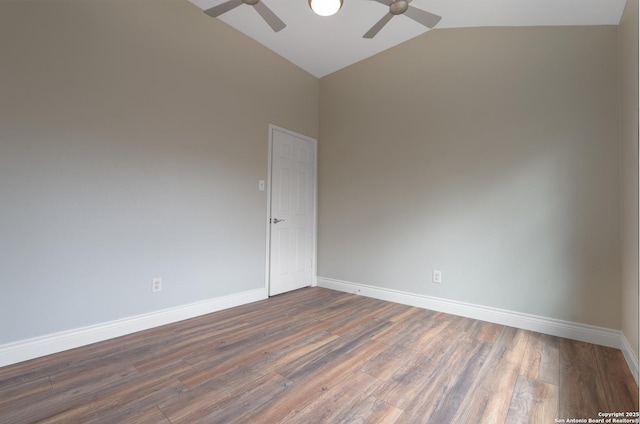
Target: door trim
x=314 y=144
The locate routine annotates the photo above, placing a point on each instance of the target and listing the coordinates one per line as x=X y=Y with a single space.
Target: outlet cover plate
x=156 y=285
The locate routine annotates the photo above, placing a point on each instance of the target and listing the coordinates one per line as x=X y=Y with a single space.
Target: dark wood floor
x=320 y=356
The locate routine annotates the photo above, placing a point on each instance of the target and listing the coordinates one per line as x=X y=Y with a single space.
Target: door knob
x=276 y=220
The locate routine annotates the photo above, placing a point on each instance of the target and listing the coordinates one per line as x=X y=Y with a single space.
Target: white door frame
x=314 y=143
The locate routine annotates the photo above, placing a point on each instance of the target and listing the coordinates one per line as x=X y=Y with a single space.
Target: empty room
x=240 y=211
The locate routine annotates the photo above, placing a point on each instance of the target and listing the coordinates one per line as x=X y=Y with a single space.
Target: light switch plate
x=437 y=277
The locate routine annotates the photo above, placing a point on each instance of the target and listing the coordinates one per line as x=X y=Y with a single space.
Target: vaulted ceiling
x=322 y=45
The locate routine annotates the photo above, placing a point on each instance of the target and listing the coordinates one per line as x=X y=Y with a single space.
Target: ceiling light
x=325 y=7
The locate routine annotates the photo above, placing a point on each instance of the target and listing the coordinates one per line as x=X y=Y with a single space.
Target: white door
x=292 y=214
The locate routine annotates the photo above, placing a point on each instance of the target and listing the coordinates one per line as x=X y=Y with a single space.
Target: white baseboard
x=555 y=327
x=23 y=350
x=630 y=356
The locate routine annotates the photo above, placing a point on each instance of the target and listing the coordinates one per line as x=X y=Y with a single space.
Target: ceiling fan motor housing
x=251 y=2
x=398 y=7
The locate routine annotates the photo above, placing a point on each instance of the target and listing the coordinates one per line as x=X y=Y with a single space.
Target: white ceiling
x=322 y=45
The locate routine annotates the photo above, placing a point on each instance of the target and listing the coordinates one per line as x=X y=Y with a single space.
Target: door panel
x=292 y=212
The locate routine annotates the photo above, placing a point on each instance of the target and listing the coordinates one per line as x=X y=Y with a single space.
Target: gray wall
x=132 y=138
x=629 y=170
x=490 y=154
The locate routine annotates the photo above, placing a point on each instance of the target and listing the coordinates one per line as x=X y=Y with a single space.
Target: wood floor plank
x=499 y=396
x=414 y=333
x=335 y=352
x=202 y=400
x=86 y=373
x=57 y=400
x=407 y=329
x=416 y=373
x=35 y=369
x=549 y=371
x=489 y=405
x=532 y=360
x=429 y=402
x=309 y=385
x=321 y=356
x=533 y=402
x=487 y=332
x=582 y=393
x=357 y=317
x=335 y=404
x=619 y=391
x=490 y=394
x=12 y=394
x=404 y=313
x=123 y=399
x=427 y=337
x=151 y=416
x=541 y=360
x=245 y=407
x=277 y=359
x=249 y=340
x=373 y=410
x=385 y=364
x=257 y=352
x=136 y=408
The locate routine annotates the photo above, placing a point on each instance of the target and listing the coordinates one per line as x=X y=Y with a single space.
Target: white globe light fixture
x=325 y=7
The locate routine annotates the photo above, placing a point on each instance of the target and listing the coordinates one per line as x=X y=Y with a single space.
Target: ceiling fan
x=401 y=7
x=270 y=18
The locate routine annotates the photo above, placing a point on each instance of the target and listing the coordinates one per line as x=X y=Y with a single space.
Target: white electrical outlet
x=437 y=277
x=156 y=285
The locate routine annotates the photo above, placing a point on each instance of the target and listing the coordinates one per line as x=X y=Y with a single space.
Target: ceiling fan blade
x=218 y=10
x=270 y=18
x=423 y=17
x=385 y=2
x=378 y=26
